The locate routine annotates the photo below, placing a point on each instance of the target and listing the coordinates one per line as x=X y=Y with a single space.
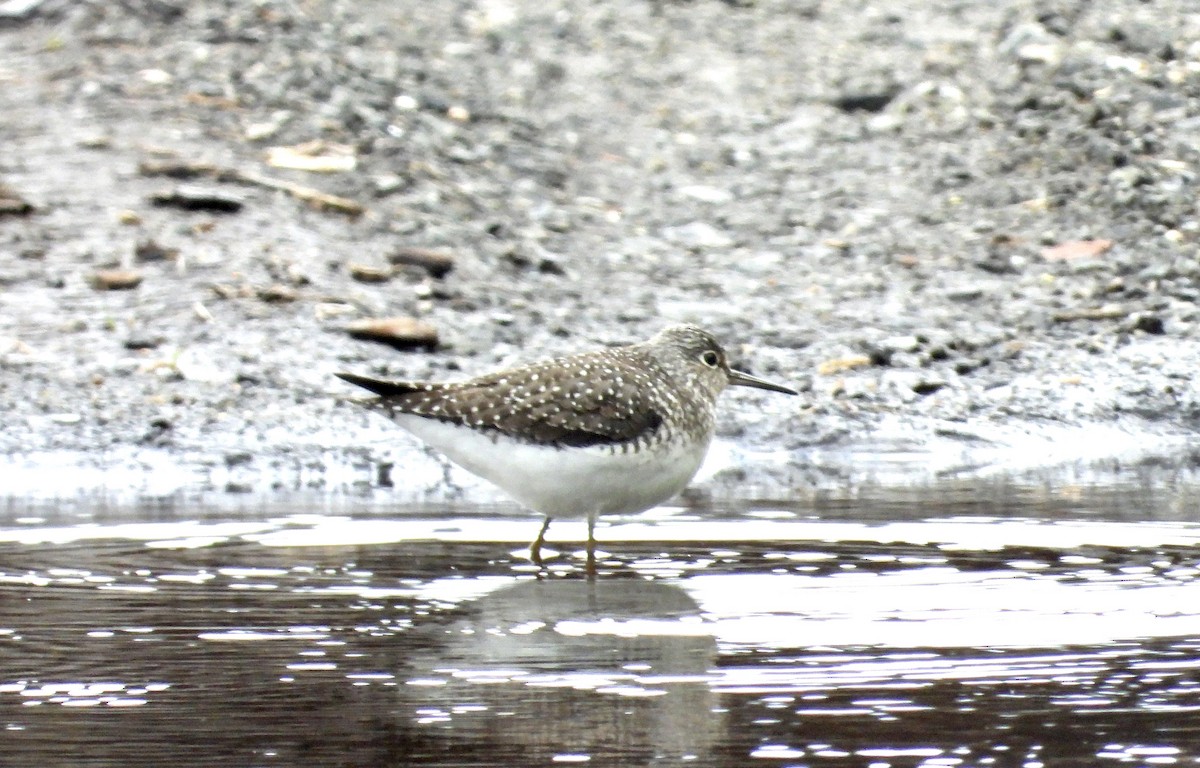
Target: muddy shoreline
x=967 y=231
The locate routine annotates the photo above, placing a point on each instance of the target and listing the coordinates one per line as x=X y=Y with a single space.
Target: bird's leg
x=591 y=547
x=535 y=549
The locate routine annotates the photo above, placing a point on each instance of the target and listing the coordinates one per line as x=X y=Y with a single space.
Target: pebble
x=194 y=197
x=142 y=341
x=399 y=332
x=66 y=418
x=237 y=458
x=277 y=294
x=707 y=194
x=928 y=385
x=870 y=99
x=551 y=265
x=158 y=432
x=150 y=250
x=12 y=204
x=1148 y=323
x=436 y=263
x=388 y=183
x=115 y=279
x=366 y=273
x=967 y=365
x=900 y=343
x=18 y=9
x=964 y=294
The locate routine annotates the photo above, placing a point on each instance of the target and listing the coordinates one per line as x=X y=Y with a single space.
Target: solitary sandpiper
x=614 y=431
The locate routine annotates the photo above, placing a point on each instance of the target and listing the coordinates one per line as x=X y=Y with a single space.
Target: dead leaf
x=314 y=156
x=1076 y=249
x=838 y=364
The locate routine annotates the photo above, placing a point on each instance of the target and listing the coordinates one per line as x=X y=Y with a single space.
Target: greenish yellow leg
x=591 y=547
x=535 y=549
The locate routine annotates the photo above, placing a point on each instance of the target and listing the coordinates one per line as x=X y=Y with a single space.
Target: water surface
x=997 y=624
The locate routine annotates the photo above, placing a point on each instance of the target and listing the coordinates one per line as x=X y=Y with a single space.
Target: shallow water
x=996 y=624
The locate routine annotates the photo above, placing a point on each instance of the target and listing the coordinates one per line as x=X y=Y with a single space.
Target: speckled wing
x=586 y=400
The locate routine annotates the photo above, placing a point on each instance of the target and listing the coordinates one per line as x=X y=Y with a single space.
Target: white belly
x=565 y=482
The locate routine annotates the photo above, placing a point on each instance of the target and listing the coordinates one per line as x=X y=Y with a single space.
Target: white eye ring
x=710 y=358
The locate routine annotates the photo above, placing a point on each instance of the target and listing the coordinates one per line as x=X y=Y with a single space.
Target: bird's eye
x=710 y=358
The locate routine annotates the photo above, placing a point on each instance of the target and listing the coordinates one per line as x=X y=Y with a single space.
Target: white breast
x=566 y=482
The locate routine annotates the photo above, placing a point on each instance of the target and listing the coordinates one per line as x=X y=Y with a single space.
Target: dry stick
x=184 y=170
x=1097 y=313
x=322 y=200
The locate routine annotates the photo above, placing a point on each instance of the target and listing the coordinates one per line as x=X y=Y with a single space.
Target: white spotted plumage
x=606 y=432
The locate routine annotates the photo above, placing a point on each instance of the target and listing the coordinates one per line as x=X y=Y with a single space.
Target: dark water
x=1003 y=624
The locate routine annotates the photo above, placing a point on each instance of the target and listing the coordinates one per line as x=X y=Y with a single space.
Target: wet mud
x=966 y=230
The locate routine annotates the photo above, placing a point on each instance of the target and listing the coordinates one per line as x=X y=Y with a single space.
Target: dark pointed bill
x=739 y=379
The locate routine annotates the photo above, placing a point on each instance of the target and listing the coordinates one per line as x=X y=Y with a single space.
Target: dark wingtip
x=377 y=386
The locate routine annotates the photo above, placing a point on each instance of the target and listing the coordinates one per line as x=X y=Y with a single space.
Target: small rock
x=399 y=332
x=1039 y=53
x=193 y=197
x=928 y=386
x=66 y=418
x=557 y=221
x=277 y=294
x=115 y=279
x=149 y=250
x=867 y=100
x=899 y=344
x=1148 y=323
x=1143 y=37
x=238 y=458
x=968 y=365
x=998 y=264
x=12 y=204
x=156 y=76
x=140 y=341
x=707 y=194
x=436 y=263
x=550 y=265
x=388 y=183
x=19 y=9
x=224 y=290
x=964 y=294
x=157 y=433
x=365 y=273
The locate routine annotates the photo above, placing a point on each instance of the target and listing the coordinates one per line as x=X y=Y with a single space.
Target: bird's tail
x=379 y=386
